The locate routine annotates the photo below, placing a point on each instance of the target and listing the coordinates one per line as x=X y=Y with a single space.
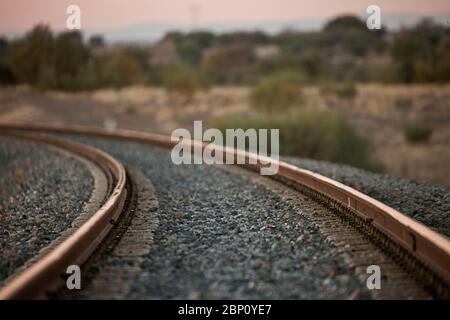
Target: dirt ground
x=380 y=112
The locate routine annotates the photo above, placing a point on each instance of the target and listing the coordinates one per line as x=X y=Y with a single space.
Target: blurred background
x=339 y=92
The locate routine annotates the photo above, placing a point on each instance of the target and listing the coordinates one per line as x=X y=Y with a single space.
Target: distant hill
x=153 y=31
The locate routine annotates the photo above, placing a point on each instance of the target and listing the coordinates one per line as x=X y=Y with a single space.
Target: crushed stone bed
x=425 y=202
x=42 y=190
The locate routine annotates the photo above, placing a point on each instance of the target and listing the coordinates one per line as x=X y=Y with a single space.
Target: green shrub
x=228 y=64
x=417 y=132
x=321 y=135
x=278 y=92
x=48 y=61
x=47 y=78
x=121 y=69
x=28 y=55
x=346 y=90
x=91 y=76
x=181 y=79
x=6 y=75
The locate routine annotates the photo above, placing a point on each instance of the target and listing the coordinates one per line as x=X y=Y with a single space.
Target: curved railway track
x=45 y=275
x=423 y=253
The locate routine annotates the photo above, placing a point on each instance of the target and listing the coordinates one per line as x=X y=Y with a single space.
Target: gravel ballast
x=220 y=235
x=425 y=202
x=42 y=190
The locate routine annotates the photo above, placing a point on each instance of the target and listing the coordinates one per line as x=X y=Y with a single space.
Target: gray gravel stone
x=220 y=235
x=423 y=201
x=41 y=191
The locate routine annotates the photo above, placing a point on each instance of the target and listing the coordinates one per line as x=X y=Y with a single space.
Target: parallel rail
x=429 y=250
x=45 y=275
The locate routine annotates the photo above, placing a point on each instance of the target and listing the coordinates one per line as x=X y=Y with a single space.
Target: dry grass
x=379 y=111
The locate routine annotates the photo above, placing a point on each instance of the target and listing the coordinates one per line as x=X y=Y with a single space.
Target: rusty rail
x=45 y=274
x=430 y=248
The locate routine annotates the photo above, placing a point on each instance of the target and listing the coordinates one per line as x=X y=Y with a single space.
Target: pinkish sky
x=20 y=15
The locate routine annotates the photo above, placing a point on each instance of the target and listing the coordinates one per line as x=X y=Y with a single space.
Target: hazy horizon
x=142 y=20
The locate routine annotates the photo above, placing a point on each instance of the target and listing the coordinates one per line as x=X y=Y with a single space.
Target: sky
x=20 y=15
x=149 y=20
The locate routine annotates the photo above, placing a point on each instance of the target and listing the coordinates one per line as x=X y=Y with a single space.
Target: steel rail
x=430 y=248
x=45 y=275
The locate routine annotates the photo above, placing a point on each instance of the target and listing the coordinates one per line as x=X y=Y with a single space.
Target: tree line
x=344 y=50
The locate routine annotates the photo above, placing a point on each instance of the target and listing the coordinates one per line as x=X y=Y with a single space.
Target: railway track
x=45 y=275
x=422 y=253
